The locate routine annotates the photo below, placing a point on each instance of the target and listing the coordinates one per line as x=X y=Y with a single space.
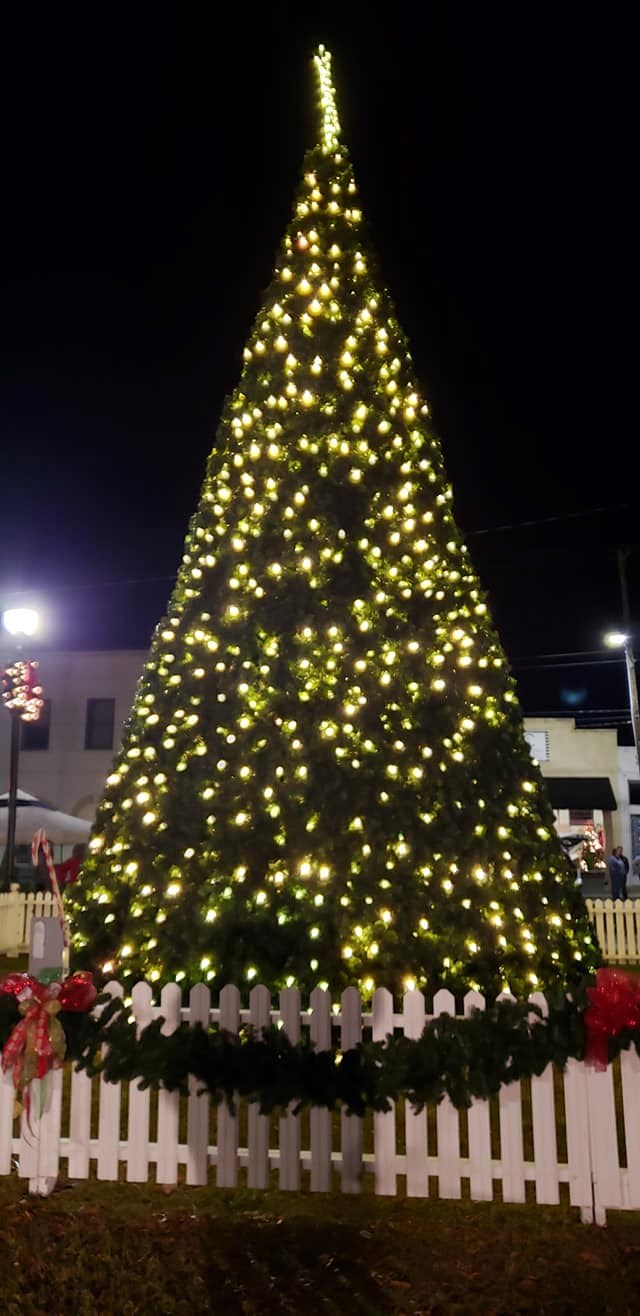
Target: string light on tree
x=324 y=778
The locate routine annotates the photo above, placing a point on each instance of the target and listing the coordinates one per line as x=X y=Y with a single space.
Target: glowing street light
x=622 y=640
x=615 y=639
x=20 y=621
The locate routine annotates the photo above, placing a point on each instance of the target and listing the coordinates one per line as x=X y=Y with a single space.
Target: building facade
x=593 y=782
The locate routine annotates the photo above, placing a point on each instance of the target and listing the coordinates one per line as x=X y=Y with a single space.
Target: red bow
x=37 y=1042
x=614 y=1005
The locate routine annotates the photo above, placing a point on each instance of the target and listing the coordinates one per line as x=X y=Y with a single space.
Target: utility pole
x=623 y=554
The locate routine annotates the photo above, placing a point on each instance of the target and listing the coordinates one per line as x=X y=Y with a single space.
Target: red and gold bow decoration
x=37 y=1043
x=614 y=1005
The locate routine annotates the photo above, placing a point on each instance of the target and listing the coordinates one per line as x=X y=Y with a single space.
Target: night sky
x=148 y=173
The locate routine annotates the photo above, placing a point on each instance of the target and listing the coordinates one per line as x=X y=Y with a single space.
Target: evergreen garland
x=461 y=1058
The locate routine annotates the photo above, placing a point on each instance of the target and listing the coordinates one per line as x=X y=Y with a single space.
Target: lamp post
x=22 y=698
x=623 y=640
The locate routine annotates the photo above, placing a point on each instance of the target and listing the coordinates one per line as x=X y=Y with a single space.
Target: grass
x=120 y=1250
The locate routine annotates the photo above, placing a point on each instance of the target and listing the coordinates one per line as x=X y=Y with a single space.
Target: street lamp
x=620 y=640
x=22 y=697
x=623 y=640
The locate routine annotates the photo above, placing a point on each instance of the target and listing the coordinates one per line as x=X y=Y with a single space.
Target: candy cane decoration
x=40 y=841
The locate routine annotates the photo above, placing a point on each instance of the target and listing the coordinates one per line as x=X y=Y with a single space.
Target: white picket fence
x=17 y=908
x=552 y=1138
x=617 y=925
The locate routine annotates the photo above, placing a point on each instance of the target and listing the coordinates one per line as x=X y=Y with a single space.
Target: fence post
x=351 y=1125
x=320 y=1129
x=108 y=1149
x=199 y=1104
x=415 y=1122
x=511 y=1137
x=479 y=1127
x=7 y=1102
x=543 y=1115
x=447 y=1121
x=169 y=1102
x=289 y=1128
x=139 y=1097
x=13 y=922
x=227 y=1120
x=258 y=1131
x=384 y=1122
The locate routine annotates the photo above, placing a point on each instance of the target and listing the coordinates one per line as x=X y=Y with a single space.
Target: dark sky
x=149 y=162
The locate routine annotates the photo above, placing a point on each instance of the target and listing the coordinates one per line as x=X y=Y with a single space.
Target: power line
x=546 y=520
x=156 y=580
x=543 y=667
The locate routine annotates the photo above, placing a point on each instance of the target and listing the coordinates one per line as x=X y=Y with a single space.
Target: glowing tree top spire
x=330 y=123
x=324 y=778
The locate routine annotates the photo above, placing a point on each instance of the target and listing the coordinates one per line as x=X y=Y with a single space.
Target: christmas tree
x=324 y=778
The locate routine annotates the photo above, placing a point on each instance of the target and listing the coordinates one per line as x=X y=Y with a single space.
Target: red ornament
x=614 y=1005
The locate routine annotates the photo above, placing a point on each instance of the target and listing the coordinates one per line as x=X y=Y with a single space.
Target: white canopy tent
x=32 y=814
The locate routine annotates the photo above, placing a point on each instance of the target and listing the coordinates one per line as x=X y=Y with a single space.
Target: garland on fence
x=461 y=1058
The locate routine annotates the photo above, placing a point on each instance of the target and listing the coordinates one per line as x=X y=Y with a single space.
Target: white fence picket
x=80 y=1125
x=40 y=1133
x=630 y=1075
x=168 y=1102
x=17 y=909
x=351 y=1125
x=605 y=1162
x=415 y=1122
x=108 y=1157
x=7 y=1102
x=384 y=1122
x=631 y=916
x=198 y=1105
x=578 y=1138
x=258 y=1171
x=139 y=1097
x=479 y=1129
x=595 y=910
x=48 y=1131
x=543 y=1117
x=447 y=1122
x=511 y=1136
x=319 y=1119
x=227 y=1120
x=29 y=1146
x=617 y=927
x=610 y=924
x=289 y=1124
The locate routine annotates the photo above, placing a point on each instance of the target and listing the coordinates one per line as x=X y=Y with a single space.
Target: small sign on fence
x=46 y=947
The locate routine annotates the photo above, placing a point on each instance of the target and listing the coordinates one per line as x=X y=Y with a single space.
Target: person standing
x=626 y=871
x=617 y=874
x=67 y=872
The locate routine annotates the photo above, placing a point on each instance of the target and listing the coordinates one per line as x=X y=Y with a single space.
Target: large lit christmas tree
x=324 y=778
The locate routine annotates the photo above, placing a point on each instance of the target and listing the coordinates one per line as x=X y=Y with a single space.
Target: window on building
x=634 y=792
x=538 y=742
x=99 y=726
x=35 y=735
x=581 y=817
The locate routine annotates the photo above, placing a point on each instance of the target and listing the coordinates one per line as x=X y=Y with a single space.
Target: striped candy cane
x=40 y=841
